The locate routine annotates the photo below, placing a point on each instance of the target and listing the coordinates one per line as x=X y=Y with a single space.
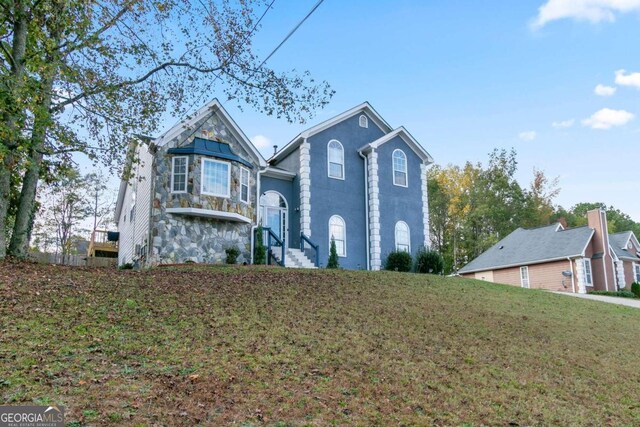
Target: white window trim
x=228 y=178
x=408 y=234
x=344 y=226
x=186 y=173
x=522 y=279
x=329 y=162
x=636 y=272
x=243 y=170
x=363 y=121
x=588 y=272
x=406 y=171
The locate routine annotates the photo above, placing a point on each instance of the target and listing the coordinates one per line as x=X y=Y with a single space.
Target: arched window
x=338 y=232
x=335 y=159
x=399 y=168
x=403 y=239
x=363 y=121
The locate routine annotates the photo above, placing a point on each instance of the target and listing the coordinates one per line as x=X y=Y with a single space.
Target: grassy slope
x=189 y=346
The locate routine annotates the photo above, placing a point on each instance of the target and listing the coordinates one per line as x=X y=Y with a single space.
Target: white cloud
x=583 y=10
x=529 y=135
x=631 y=79
x=602 y=90
x=564 y=124
x=261 y=142
x=608 y=118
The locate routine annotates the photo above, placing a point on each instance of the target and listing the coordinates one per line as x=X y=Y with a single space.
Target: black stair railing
x=274 y=241
x=304 y=238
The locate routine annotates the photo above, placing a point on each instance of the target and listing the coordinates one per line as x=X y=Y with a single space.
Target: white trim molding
x=305 y=188
x=425 y=205
x=209 y=213
x=374 y=210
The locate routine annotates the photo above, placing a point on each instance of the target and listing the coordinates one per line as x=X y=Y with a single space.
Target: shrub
x=232 y=255
x=259 y=251
x=398 y=261
x=126 y=266
x=635 y=288
x=333 y=256
x=428 y=261
x=621 y=293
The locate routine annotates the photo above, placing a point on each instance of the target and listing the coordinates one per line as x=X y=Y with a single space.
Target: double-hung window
x=179 y=174
x=636 y=267
x=338 y=233
x=399 y=168
x=215 y=178
x=244 y=185
x=588 y=276
x=524 y=276
x=403 y=241
x=335 y=159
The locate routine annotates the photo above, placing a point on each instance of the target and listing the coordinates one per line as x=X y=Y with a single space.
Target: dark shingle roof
x=530 y=246
x=618 y=243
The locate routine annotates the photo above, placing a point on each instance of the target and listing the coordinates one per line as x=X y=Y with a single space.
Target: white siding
x=136 y=232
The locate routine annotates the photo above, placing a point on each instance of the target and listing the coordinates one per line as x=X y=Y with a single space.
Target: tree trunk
x=10 y=117
x=19 y=246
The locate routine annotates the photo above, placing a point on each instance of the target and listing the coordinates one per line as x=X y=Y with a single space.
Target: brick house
x=575 y=260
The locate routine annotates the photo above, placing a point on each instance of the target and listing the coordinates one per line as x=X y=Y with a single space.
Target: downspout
x=573 y=283
x=366 y=205
x=253 y=227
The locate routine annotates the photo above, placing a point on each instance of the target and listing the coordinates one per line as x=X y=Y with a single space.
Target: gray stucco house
x=203 y=187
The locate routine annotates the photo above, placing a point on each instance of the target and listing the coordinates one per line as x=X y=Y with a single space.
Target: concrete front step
x=295 y=258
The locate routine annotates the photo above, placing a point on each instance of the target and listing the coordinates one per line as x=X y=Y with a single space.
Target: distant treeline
x=474 y=206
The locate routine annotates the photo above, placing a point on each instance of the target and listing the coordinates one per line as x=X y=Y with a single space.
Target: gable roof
x=208 y=109
x=619 y=242
x=365 y=107
x=532 y=246
x=406 y=137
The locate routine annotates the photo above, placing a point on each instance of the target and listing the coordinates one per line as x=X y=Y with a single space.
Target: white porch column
x=425 y=205
x=374 y=210
x=305 y=189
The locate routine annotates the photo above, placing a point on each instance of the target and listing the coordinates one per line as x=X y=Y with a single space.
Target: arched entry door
x=274 y=214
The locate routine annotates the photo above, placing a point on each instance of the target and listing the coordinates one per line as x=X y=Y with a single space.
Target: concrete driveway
x=629 y=302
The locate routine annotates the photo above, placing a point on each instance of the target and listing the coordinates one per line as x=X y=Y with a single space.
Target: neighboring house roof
x=406 y=137
x=207 y=147
x=619 y=242
x=532 y=246
x=365 y=107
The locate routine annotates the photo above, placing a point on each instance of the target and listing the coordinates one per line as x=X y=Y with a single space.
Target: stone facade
x=178 y=238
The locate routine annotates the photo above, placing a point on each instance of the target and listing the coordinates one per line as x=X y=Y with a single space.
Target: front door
x=274 y=214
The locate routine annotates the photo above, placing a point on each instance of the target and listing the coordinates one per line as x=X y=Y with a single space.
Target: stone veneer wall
x=178 y=238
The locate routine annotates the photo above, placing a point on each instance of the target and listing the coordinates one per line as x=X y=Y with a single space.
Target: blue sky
x=465 y=77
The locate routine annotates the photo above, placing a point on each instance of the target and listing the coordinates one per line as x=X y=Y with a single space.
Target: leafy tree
x=85 y=76
x=66 y=204
x=333 y=256
x=259 y=251
x=474 y=206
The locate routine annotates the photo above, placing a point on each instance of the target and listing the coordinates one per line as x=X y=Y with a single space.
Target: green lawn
x=264 y=346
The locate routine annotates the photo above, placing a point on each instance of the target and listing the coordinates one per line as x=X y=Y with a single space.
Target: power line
x=291 y=33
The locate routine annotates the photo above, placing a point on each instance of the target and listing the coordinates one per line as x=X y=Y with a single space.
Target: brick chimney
x=601 y=262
